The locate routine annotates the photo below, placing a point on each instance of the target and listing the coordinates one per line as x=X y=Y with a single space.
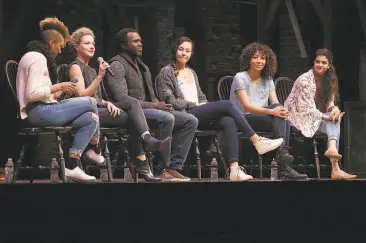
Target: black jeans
x=181 y=127
x=267 y=123
x=136 y=117
x=123 y=121
x=226 y=116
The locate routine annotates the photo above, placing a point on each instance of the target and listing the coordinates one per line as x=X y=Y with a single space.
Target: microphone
x=100 y=59
x=65 y=96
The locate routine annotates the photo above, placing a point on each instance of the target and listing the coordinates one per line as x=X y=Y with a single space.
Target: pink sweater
x=33 y=81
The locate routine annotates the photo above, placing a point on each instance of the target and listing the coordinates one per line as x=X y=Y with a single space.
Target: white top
x=189 y=91
x=33 y=81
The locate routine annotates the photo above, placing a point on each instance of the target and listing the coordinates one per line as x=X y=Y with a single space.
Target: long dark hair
x=329 y=82
x=174 y=49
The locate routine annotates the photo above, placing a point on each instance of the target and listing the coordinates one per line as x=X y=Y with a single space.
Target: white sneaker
x=265 y=145
x=237 y=173
x=78 y=175
x=91 y=154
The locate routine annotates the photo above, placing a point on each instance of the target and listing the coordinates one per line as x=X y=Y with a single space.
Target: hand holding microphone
x=103 y=66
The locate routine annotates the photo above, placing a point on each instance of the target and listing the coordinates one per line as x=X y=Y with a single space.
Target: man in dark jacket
x=131 y=77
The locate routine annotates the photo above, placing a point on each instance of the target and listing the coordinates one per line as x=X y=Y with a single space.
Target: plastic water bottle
x=214 y=170
x=127 y=173
x=9 y=171
x=103 y=174
x=54 y=169
x=274 y=170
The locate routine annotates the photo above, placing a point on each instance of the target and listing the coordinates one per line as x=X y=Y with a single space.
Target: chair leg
x=198 y=159
x=107 y=158
x=219 y=152
x=260 y=164
x=62 y=159
x=316 y=157
x=134 y=175
x=18 y=165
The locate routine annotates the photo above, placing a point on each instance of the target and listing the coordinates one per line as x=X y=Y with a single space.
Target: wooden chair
x=25 y=129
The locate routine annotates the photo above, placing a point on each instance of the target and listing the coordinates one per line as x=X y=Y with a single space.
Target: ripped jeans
x=75 y=112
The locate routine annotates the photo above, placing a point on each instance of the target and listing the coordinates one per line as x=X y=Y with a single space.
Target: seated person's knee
x=93 y=100
x=95 y=117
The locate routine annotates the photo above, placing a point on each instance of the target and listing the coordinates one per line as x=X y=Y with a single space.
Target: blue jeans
x=267 y=123
x=332 y=129
x=75 y=112
x=181 y=127
x=227 y=116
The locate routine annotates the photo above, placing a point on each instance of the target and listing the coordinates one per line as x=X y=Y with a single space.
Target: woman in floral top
x=311 y=107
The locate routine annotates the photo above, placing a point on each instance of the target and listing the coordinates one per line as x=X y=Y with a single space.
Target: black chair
x=223 y=89
x=25 y=129
x=283 y=87
x=63 y=72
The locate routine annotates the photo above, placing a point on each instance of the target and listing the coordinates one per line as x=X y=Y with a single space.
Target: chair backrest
x=63 y=73
x=223 y=87
x=283 y=87
x=11 y=70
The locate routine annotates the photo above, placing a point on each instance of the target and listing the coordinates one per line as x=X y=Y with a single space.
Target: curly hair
x=174 y=49
x=249 y=51
x=48 y=27
x=329 y=82
x=76 y=36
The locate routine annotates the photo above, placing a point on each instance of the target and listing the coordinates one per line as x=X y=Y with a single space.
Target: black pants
x=267 y=123
x=136 y=117
x=226 y=116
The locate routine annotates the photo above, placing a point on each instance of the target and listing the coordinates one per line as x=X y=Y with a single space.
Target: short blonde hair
x=76 y=36
x=54 y=24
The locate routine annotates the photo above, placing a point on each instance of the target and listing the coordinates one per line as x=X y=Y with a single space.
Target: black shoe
x=153 y=144
x=142 y=168
x=286 y=172
x=283 y=156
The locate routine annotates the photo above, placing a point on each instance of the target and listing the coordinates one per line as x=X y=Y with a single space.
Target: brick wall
x=290 y=63
x=222 y=27
x=164 y=17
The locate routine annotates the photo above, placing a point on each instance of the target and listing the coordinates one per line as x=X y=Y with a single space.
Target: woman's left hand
x=335 y=113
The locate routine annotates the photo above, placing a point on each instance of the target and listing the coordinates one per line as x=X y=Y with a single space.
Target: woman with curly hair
x=178 y=85
x=311 y=107
x=121 y=114
x=251 y=89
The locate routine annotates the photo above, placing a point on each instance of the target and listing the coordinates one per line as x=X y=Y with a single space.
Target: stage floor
x=259 y=210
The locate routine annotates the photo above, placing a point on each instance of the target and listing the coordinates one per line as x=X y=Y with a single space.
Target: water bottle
x=274 y=170
x=9 y=170
x=103 y=174
x=54 y=169
x=214 y=170
x=127 y=173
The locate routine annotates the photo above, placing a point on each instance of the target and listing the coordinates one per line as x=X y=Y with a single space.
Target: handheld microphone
x=100 y=59
x=65 y=96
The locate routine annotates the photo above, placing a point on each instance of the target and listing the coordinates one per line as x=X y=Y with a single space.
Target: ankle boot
x=283 y=156
x=153 y=144
x=142 y=168
x=285 y=160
